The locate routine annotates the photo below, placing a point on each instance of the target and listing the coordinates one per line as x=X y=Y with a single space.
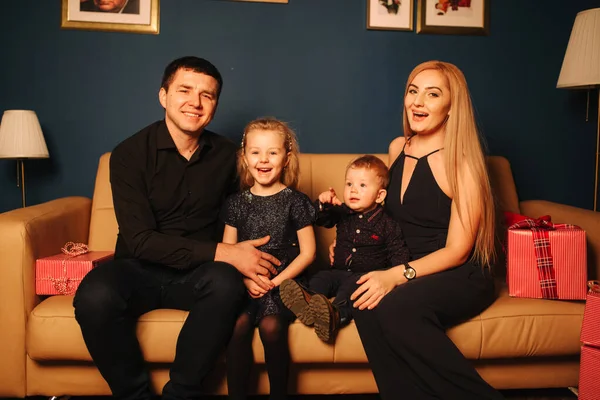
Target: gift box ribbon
x=540 y=228
x=63 y=285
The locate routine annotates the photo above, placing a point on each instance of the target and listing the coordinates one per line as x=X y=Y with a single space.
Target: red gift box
x=590 y=329
x=546 y=260
x=62 y=273
x=589 y=371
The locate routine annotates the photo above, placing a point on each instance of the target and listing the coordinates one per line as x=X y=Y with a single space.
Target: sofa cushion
x=511 y=327
x=319 y=172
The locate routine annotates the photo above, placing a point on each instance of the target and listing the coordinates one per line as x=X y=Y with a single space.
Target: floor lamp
x=21 y=138
x=581 y=67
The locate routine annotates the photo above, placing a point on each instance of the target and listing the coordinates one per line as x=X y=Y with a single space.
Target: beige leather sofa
x=516 y=343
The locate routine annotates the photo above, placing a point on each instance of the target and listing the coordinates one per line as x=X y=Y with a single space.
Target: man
x=168 y=183
x=111 y=6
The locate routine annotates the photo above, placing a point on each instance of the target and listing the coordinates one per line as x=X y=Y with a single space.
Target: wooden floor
x=538 y=394
x=541 y=394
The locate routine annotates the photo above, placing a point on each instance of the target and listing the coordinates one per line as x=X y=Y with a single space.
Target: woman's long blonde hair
x=463 y=143
x=291 y=173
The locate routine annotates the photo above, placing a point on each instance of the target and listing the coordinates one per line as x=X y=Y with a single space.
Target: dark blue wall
x=310 y=62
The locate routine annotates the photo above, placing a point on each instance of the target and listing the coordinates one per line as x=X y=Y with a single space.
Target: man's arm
x=260 y=283
x=137 y=224
x=250 y=261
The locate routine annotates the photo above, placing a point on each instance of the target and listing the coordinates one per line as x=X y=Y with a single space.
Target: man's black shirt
x=166 y=206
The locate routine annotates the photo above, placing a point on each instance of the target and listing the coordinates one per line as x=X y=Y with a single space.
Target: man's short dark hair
x=191 y=63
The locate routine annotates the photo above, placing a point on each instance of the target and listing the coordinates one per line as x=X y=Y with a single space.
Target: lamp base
x=21 y=178
x=597 y=155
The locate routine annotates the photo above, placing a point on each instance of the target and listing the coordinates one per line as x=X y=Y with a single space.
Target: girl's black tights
x=273 y=330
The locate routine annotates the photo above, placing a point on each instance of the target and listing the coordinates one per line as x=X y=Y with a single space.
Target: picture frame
x=454 y=17
x=266 y=1
x=134 y=16
x=396 y=15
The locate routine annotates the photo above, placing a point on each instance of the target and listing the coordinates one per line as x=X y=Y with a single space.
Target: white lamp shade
x=21 y=135
x=581 y=65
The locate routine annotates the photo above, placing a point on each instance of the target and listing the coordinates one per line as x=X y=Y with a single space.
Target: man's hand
x=251 y=262
x=329 y=197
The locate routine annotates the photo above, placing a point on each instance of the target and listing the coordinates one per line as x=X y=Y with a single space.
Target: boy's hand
x=329 y=197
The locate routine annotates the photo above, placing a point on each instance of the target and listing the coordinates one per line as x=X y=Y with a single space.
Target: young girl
x=268 y=204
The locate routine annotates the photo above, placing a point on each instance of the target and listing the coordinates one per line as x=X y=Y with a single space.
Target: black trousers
x=339 y=283
x=405 y=340
x=112 y=296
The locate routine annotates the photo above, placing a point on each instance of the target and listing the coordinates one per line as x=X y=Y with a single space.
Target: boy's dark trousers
x=340 y=283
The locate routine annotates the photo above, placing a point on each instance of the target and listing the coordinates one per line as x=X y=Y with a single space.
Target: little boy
x=367 y=240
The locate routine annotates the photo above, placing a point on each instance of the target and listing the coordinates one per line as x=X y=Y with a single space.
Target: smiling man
x=168 y=183
x=111 y=6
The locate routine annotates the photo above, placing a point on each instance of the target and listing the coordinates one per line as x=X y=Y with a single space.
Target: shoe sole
x=322 y=316
x=293 y=298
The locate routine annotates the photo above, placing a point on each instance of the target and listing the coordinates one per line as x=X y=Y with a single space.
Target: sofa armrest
x=25 y=235
x=588 y=220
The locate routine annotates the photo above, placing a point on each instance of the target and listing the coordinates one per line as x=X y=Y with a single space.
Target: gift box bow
x=64 y=285
x=543 y=222
x=540 y=228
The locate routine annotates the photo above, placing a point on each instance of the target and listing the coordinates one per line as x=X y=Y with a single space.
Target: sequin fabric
x=280 y=216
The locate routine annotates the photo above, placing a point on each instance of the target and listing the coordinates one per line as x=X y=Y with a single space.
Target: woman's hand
x=373 y=287
x=254 y=290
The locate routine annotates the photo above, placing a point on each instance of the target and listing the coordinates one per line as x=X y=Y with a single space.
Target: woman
x=440 y=193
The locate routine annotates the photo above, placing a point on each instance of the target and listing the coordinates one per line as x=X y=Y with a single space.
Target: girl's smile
x=266 y=157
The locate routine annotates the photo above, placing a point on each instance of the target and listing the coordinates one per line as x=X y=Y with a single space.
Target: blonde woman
x=440 y=194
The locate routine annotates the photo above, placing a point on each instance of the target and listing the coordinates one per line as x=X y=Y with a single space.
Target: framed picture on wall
x=390 y=15
x=133 y=16
x=454 y=17
x=265 y=1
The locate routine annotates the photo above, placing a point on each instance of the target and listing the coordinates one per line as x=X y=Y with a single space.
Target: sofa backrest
x=318 y=173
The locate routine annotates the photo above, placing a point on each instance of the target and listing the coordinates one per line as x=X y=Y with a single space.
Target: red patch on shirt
x=374 y=237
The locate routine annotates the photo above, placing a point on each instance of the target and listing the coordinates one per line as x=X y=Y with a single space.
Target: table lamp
x=21 y=138
x=581 y=67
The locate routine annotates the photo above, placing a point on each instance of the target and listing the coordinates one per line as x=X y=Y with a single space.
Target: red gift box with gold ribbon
x=546 y=260
x=62 y=273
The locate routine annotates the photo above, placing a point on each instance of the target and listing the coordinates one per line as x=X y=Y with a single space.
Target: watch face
x=409 y=273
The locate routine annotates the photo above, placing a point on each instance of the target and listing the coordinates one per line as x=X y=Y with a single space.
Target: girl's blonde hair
x=463 y=143
x=291 y=172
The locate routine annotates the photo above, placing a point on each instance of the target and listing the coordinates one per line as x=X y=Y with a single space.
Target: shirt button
x=354 y=250
x=358 y=231
x=360 y=216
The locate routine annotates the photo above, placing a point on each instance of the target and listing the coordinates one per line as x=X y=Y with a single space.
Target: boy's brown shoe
x=326 y=317
x=297 y=300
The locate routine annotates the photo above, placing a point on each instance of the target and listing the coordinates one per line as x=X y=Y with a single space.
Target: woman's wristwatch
x=409 y=272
